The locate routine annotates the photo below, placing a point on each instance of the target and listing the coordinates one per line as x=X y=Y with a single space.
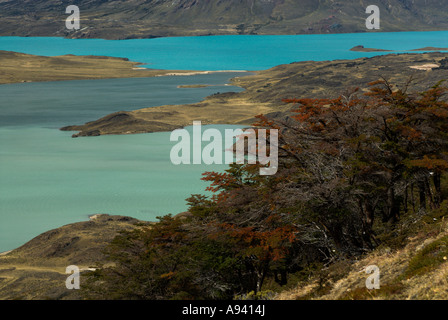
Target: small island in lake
x=362 y=49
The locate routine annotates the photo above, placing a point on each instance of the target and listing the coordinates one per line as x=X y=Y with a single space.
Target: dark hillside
x=118 y=19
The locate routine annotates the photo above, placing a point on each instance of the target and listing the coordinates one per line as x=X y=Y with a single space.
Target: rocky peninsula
x=264 y=91
x=20 y=67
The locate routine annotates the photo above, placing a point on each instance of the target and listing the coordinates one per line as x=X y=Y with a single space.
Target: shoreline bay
x=264 y=91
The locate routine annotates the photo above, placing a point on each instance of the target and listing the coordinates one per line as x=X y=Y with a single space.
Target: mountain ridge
x=117 y=19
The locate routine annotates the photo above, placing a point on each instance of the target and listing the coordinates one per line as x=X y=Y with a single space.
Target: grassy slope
x=413 y=265
x=20 y=67
x=36 y=270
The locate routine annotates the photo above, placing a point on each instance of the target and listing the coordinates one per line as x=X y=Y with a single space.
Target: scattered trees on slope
x=346 y=166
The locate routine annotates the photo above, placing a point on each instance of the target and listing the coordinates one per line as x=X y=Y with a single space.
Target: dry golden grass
x=19 y=67
x=396 y=283
x=37 y=269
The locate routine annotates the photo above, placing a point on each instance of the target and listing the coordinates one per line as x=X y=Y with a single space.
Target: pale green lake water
x=49 y=179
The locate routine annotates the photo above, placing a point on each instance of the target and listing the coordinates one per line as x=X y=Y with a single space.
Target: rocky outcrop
x=118 y=123
x=362 y=49
x=37 y=269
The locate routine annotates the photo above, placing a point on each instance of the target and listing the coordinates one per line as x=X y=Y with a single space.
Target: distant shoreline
x=360 y=48
x=430 y=49
x=264 y=91
x=19 y=67
x=193 y=73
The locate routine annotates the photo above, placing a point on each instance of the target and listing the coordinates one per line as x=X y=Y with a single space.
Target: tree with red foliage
x=343 y=163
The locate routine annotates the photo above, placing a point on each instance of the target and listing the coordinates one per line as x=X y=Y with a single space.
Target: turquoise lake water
x=230 y=52
x=48 y=179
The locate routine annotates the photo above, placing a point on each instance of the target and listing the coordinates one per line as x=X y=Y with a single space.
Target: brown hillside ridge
x=21 y=67
x=36 y=270
x=114 y=19
x=266 y=89
x=418 y=270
